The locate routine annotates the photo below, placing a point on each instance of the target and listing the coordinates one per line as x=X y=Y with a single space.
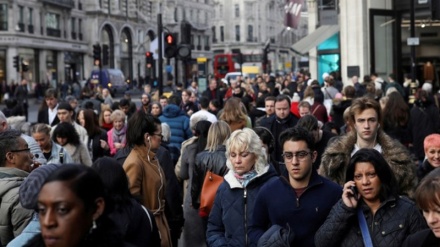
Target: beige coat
x=147 y=183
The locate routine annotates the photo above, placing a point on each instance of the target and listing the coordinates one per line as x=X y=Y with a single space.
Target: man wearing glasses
x=16 y=162
x=299 y=200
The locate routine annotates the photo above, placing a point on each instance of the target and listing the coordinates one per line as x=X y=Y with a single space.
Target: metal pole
x=413 y=48
x=176 y=72
x=160 y=60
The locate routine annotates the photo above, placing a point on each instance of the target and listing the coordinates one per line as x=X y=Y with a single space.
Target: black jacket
x=395 y=219
x=424 y=238
x=276 y=126
x=43 y=117
x=207 y=161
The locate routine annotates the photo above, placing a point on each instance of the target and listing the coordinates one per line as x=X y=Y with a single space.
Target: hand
x=35 y=165
x=348 y=196
x=118 y=145
x=104 y=144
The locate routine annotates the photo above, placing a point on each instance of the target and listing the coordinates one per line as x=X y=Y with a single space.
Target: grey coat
x=13 y=217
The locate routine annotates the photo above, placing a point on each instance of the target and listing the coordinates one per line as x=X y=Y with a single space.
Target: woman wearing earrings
x=72 y=211
x=145 y=176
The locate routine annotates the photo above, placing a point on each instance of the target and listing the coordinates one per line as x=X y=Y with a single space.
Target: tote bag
x=209 y=189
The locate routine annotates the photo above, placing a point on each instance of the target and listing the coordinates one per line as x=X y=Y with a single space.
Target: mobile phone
x=355 y=191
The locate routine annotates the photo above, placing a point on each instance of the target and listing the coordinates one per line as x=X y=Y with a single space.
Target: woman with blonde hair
x=211 y=159
x=235 y=199
x=117 y=135
x=233 y=114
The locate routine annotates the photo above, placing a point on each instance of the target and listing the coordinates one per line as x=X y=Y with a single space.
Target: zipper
x=245 y=217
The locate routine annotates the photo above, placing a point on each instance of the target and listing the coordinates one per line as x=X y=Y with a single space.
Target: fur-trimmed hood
x=337 y=155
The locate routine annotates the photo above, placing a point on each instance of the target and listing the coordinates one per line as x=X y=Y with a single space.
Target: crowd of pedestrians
x=304 y=163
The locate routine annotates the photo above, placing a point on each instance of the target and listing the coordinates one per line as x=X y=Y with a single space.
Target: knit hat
x=31 y=186
x=64 y=106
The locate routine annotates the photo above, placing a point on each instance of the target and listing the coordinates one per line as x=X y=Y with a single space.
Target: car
x=233 y=76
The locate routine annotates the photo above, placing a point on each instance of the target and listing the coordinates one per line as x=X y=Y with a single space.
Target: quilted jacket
x=334 y=161
x=395 y=219
x=232 y=210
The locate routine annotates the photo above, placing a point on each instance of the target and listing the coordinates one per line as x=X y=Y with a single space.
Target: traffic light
x=149 y=59
x=97 y=54
x=105 y=54
x=184 y=51
x=170 y=46
x=17 y=63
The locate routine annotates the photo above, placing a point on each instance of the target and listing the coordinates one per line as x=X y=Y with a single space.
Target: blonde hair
x=117 y=115
x=246 y=140
x=217 y=135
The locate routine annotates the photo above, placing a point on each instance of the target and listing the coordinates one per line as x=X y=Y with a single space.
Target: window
x=53 y=21
x=3 y=17
x=237 y=10
x=31 y=17
x=214 y=39
x=222 y=34
x=237 y=33
x=221 y=11
x=80 y=29
x=73 y=24
x=21 y=14
x=73 y=28
x=250 y=35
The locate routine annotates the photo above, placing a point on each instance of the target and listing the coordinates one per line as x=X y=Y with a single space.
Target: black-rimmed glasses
x=20 y=150
x=300 y=155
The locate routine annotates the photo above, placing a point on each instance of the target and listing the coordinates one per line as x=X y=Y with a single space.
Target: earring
x=94 y=226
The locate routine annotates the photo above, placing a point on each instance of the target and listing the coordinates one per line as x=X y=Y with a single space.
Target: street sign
x=202 y=60
x=413 y=41
x=169 y=68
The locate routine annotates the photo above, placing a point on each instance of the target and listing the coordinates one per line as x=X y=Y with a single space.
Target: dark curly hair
x=66 y=130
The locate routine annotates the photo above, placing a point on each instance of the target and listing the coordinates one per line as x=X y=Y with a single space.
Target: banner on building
x=292 y=11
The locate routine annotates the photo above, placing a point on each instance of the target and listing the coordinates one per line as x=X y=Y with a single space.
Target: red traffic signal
x=169 y=39
x=170 y=45
x=149 y=59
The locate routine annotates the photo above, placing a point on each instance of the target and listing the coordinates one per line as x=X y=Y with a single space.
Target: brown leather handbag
x=209 y=189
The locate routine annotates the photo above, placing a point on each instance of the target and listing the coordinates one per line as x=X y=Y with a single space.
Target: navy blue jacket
x=278 y=204
x=233 y=209
x=179 y=124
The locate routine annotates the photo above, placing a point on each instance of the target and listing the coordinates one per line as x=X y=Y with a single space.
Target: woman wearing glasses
x=235 y=199
x=145 y=176
x=370 y=195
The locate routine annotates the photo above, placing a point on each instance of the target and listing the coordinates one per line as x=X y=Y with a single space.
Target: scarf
x=246 y=178
x=119 y=135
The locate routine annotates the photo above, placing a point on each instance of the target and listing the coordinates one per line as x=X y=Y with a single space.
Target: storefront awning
x=314 y=39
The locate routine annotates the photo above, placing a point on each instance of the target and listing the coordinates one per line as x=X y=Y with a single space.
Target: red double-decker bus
x=226 y=63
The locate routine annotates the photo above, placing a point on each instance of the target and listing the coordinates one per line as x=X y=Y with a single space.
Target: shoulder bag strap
x=364 y=228
x=61 y=155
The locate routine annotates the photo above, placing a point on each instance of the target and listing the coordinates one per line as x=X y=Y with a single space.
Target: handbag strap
x=364 y=228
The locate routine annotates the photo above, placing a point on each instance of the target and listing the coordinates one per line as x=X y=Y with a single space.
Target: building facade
x=248 y=25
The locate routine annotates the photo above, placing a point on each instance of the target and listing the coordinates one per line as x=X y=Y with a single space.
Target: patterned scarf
x=246 y=178
x=119 y=135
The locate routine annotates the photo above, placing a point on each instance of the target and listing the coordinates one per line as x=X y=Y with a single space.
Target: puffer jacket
x=207 y=161
x=13 y=217
x=179 y=124
x=395 y=219
x=233 y=209
x=335 y=160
